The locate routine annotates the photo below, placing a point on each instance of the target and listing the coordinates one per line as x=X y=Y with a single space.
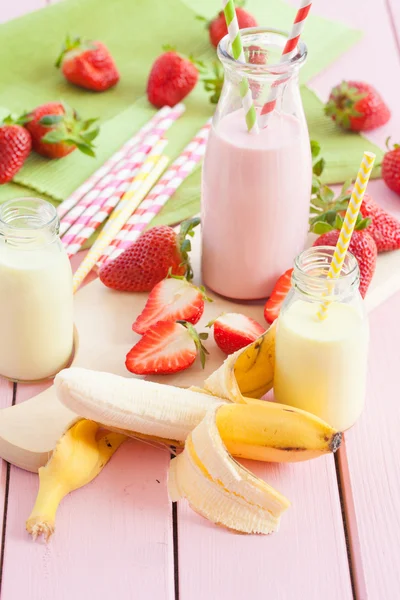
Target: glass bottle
x=321 y=365
x=36 y=299
x=255 y=187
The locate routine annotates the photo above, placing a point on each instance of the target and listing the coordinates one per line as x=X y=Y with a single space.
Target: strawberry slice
x=173 y=299
x=233 y=331
x=166 y=348
x=279 y=293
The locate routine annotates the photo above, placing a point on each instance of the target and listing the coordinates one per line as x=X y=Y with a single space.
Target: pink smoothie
x=255 y=204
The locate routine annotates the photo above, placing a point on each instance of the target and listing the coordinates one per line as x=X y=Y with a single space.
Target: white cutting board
x=29 y=431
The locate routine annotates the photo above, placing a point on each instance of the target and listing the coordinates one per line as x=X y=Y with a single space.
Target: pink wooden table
x=120 y=536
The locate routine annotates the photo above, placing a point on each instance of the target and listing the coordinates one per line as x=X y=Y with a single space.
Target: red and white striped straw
x=112 y=200
x=74 y=198
x=288 y=52
x=181 y=168
x=112 y=185
x=157 y=130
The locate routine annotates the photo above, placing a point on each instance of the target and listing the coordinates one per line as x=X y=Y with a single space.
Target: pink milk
x=255 y=203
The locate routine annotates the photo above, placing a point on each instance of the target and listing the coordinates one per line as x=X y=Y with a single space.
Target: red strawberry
x=384 y=228
x=166 y=348
x=149 y=260
x=233 y=331
x=357 y=106
x=173 y=299
x=88 y=64
x=279 y=293
x=172 y=78
x=15 y=145
x=57 y=130
x=217 y=27
x=391 y=167
x=362 y=246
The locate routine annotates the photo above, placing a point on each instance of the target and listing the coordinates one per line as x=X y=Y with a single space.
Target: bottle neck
x=28 y=223
x=310 y=276
x=264 y=63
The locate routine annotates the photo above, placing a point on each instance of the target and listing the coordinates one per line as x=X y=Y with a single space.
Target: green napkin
x=135 y=31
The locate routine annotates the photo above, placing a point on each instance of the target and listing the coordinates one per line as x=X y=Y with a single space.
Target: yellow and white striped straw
x=349 y=222
x=118 y=220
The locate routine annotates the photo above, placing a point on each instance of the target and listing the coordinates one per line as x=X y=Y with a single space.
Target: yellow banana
x=220 y=489
x=258 y=430
x=246 y=374
x=77 y=459
x=274 y=432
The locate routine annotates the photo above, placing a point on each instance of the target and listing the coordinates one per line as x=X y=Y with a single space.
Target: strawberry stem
x=184 y=244
x=202 y=350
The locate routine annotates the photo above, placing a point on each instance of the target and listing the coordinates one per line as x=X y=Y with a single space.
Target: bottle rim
x=14 y=214
x=310 y=273
x=275 y=69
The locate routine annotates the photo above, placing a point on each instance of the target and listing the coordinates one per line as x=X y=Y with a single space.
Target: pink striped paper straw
x=157 y=131
x=111 y=202
x=112 y=185
x=288 y=52
x=172 y=179
x=74 y=198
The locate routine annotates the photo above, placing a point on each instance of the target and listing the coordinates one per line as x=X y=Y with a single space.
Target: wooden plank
x=6 y=397
x=394 y=14
x=113 y=538
x=373 y=455
x=305 y=559
x=368 y=465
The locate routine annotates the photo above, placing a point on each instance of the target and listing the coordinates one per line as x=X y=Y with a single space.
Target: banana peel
x=247 y=373
x=77 y=459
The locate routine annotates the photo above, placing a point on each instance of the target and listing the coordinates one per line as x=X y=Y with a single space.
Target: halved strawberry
x=166 y=348
x=279 y=293
x=233 y=331
x=173 y=299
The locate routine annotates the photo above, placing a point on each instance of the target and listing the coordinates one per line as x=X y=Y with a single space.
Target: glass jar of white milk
x=36 y=300
x=321 y=365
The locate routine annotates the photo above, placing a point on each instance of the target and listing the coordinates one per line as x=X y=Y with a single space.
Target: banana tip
x=336 y=441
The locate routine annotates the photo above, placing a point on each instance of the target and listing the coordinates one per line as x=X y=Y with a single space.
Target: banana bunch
x=224 y=419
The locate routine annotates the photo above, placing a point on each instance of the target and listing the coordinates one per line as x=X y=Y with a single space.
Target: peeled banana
x=220 y=489
x=261 y=430
x=77 y=459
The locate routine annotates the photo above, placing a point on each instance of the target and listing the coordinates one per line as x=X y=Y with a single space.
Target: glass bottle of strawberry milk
x=256 y=186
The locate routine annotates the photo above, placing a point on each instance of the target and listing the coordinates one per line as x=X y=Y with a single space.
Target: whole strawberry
x=362 y=246
x=57 y=130
x=217 y=28
x=15 y=146
x=357 y=106
x=384 y=228
x=172 y=78
x=147 y=261
x=391 y=167
x=88 y=64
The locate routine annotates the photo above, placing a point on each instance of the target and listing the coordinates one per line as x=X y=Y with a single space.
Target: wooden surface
x=121 y=536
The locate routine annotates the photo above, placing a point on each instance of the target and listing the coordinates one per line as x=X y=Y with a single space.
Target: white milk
x=321 y=365
x=36 y=309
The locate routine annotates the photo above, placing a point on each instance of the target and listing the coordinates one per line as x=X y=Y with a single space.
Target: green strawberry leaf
x=338 y=221
x=54 y=137
x=89 y=136
x=318 y=167
x=321 y=227
x=326 y=194
x=315 y=148
x=85 y=149
x=49 y=120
